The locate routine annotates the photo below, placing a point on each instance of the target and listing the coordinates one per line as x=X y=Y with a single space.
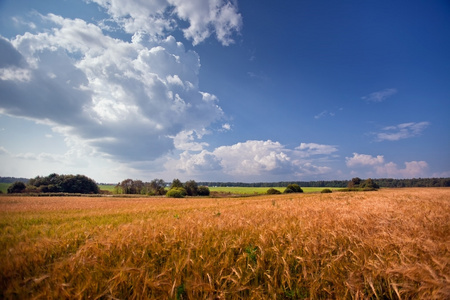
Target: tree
x=78 y=184
x=157 y=187
x=16 y=187
x=191 y=188
x=138 y=186
x=127 y=186
x=176 y=183
x=356 y=181
x=369 y=184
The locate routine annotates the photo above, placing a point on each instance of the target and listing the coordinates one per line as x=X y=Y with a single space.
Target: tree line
x=55 y=183
x=381 y=182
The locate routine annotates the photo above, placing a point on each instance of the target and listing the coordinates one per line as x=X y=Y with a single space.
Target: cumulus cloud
x=130 y=101
x=186 y=140
x=412 y=169
x=401 y=131
x=380 y=96
x=363 y=160
x=157 y=17
x=256 y=160
x=378 y=167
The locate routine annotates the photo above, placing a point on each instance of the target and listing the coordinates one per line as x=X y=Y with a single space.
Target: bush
x=16 y=187
x=293 y=188
x=203 y=191
x=326 y=191
x=273 y=191
x=177 y=192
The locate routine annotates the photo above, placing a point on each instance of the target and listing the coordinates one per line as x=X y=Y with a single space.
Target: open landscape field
x=4 y=187
x=236 y=190
x=260 y=190
x=388 y=244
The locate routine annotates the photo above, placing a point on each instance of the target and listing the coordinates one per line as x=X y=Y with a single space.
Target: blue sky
x=216 y=90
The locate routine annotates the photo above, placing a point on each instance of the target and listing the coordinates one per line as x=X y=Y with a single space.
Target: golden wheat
x=391 y=244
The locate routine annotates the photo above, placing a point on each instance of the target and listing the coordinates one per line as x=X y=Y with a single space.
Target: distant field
x=4 y=187
x=106 y=187
x=388 y=244
x=238 y=190
x=260 y=190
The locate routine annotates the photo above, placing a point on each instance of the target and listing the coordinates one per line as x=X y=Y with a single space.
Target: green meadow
x=227 y=189
x=260 y=190
x=237 y=189
x=4 y=187
x=106 y=187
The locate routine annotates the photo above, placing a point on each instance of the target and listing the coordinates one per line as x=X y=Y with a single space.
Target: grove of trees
x=189 y=188
x=358 y=183
x=158 y=187
x=130 y=186
x=55 y=183
x=16 y=187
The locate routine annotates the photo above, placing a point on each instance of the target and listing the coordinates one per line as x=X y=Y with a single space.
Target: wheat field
x=389 y=244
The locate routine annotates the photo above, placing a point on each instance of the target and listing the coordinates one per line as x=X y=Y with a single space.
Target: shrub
x=273 y=191
x=293 y=188
x=16 y=187
x=288 y=191
x=203 y=191
x=177 y=192
x=326 y=191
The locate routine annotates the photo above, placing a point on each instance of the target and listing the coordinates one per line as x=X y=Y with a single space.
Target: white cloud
x=402 y=131
x=323 y=114
x=363 y=160
x=377 y=166
x=157 y=17
x=185 y=140
x=316 y=149
x=137 y=15
x=252 y=157
x=226 y=127
x=380 y=95
x=126 y=100
x=208 y=16
x=15 y=74
x=255 y=160
x=412 y=169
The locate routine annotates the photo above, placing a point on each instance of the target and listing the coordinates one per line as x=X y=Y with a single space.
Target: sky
x=225 y=90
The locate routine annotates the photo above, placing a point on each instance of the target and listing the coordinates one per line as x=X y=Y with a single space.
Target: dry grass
x=389 y=244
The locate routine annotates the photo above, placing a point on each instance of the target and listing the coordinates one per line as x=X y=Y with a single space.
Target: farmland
x=260 y=190
x=238 y=190
x=4 y=187
x=393 y=243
